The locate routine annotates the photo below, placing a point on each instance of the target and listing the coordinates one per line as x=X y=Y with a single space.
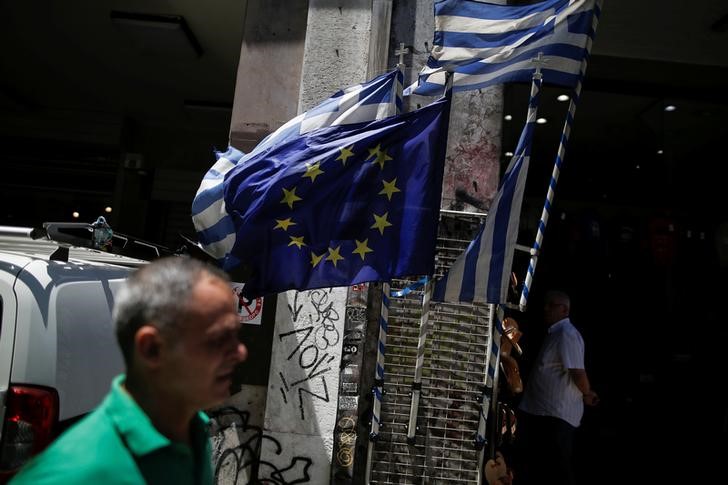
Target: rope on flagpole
x=561 y=154
x=489 y=396
x=419 y=363
x=498 y=334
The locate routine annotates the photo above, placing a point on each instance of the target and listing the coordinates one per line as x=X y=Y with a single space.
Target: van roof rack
x=68 y=235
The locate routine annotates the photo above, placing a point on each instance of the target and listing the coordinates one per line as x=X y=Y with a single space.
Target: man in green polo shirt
x=177 y=327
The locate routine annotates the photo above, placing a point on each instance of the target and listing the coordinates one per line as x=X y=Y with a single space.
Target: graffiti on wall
x=236 y=446
x=312 y=344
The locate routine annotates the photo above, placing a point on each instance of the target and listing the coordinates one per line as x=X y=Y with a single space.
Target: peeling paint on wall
x=473 y=152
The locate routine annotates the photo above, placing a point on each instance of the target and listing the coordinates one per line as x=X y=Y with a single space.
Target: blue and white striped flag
x=377 y=99
x=481 y=274
x=485 y=44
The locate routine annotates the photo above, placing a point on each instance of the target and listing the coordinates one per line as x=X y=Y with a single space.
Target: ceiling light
x=76 y=215
x=107 y=209
x=541 y=121
x=660 y=152
x=508 y=117
x=562 y=97
x=509 y=154
x=670 y=107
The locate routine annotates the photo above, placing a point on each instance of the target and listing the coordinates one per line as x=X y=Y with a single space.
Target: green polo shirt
x=118 y=444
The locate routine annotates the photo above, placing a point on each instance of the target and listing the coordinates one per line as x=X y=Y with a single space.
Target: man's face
x=200 y=358
x=553 y=311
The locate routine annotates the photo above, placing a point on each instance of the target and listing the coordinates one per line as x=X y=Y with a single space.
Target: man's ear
x=148 y=345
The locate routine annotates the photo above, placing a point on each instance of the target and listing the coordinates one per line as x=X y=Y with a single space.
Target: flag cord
x=561 y=154
x=481 y=436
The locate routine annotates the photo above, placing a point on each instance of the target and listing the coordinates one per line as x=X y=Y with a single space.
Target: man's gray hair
x=157 y=294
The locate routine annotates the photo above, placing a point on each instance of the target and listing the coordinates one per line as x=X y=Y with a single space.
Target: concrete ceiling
x=70 y=57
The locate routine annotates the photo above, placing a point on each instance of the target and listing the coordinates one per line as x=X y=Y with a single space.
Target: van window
x=87 y=355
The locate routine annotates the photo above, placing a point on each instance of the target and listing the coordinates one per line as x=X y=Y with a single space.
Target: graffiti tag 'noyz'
x=310 y=361
x=233 y=461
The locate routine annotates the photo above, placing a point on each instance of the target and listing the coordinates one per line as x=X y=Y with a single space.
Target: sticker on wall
x=250 y=312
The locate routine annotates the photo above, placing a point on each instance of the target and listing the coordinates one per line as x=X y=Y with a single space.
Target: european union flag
x=341 y=205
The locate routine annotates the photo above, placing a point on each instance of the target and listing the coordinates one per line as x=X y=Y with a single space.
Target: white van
x=58 y=350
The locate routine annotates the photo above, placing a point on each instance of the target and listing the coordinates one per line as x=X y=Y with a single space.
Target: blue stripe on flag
x=471 y=260
x=219 y=231
x=477 y=10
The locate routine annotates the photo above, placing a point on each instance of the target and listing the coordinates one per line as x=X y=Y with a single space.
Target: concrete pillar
x=269 y=70
x=303 y=383
x=472 y=167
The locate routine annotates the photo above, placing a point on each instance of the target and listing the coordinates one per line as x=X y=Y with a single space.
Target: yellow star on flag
x=284 y=223
x=297 y=241
x=313 y=171
x=289 y=197
x=345 y=153
x=334 y=255
x=380 y=222
x=379 y=155
x=362 y=248
x=315 y=258
x=389 y=188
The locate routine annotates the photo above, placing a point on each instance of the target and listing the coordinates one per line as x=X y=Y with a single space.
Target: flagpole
x=481 y=438
x=419 y=363
x=378 y=389
x=489 y=398
x=557 y=164
x=496 y=348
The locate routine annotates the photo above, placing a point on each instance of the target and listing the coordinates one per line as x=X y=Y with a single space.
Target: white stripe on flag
x=220 y=248
x=471 y=25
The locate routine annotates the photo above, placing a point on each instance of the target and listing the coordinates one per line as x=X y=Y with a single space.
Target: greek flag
x=481 y=274
x=379 y=98
x=485 y=44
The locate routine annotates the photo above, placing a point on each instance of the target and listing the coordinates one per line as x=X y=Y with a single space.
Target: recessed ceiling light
x=563 y=97
x=107 y=209
x=637 y=167
x=76 y=215
x=541 y=121
x=508 y=117
x=660 y=152
x=670 y=107
x=509 y=154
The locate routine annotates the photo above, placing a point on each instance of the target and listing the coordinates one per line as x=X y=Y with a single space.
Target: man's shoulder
x=89 y=452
